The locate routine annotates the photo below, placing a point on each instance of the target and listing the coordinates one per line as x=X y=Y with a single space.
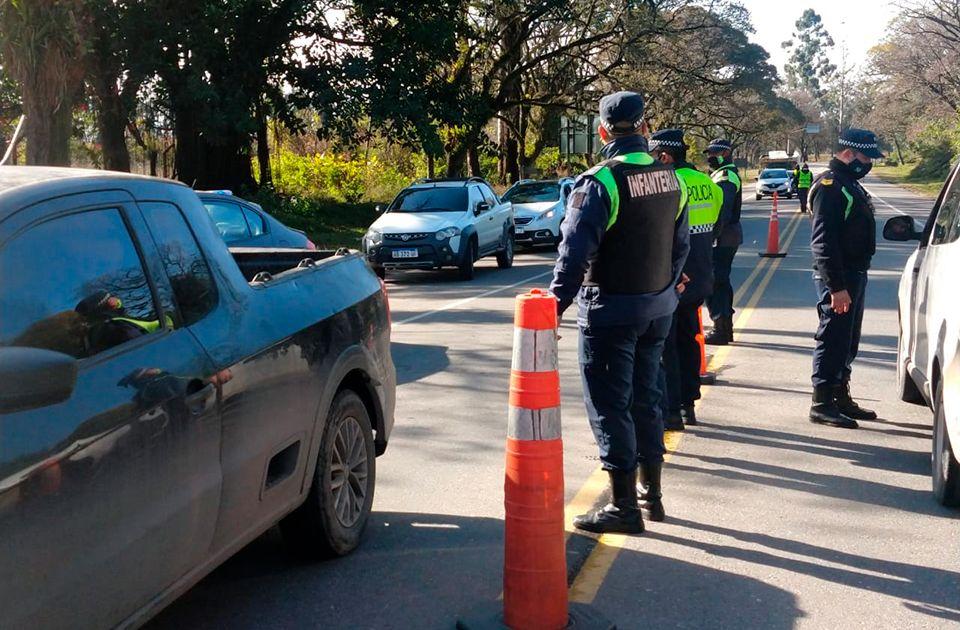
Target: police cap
x=621 y=113
x=717 y=145
x=667 y=139
x=860 y=140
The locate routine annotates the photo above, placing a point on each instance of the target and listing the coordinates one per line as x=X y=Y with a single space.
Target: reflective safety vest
x=146 y=325
x=704 y=200
x=636 y=252
x=728 y=173
x=804 y=179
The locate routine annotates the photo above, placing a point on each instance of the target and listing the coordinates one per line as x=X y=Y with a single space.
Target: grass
x=329 y=224
x=902 y=175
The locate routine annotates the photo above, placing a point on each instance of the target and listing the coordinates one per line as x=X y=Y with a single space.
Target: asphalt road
x=772 y=522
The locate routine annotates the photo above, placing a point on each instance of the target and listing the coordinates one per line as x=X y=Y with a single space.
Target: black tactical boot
x=622 y=515
x=689 y=416
x=649 y=491
x=673 y=421
x=722 y=332
x=825 y=411
x=849 y=407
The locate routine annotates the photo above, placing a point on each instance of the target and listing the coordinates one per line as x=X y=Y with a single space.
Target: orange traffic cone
x=706 y=378
x=534 y=565
x=773 y=233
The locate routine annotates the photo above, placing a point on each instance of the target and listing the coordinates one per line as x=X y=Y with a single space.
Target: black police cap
x=667 y=139
x=621 y=112
x=717 y=145
x=860 y=140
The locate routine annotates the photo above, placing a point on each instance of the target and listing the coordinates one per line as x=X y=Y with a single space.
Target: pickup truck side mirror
x=482 y=207
x=31 y=378
x=380 y=208
x=902 y=228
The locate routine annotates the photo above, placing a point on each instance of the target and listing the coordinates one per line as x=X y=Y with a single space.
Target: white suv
x=928 y=357
x=441 y=223
x=538 y=208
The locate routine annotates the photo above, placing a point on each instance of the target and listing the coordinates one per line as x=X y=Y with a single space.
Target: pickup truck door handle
x=198 y=400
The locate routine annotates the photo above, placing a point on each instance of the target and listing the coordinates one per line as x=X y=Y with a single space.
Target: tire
x=946 y=469
x=465 y=268
x=505 y=256
x=331 y=521
x=381 y=272
x=759 y=197
x=906 y=387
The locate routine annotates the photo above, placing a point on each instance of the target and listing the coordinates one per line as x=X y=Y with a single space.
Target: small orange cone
x=773 y=233
x=706 y=378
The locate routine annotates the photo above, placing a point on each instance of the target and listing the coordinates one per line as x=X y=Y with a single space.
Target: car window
x=89 y=297
x=488 y=195
x=533 y=193
x=190 y=277
x=774 y=173
x=229 y=220
x=945 y=228
x=255 y=221
x=438 y=199
x=475 y=196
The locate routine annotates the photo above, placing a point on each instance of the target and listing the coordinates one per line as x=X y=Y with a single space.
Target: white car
x=928 y=356
x=774 y=180
x=438 y=223
x=538 y=209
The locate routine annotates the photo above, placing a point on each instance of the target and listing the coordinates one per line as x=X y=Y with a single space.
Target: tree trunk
x=896 y=144
x=431 y=166
x=263 y=146
x=473 y=160
x=47 y=130
x=112 y=123
x=456 y=160
x=152 y=156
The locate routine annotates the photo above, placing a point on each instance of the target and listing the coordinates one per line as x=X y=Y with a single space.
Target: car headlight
x=446 y=233
x=549 y=214
x=374 y=237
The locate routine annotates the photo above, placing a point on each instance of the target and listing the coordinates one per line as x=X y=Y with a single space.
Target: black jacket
x=844 y=228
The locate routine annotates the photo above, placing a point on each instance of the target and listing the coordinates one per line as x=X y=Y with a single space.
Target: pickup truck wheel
x=381 y=272
x=759 y=197
x=466 y=265
x=946 y=469
x=332 y=519
x=505 y=257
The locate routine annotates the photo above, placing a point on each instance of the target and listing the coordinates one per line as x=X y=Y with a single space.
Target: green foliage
x=808 y=66
x=936 y=146
x=329 y=224
x=336 y=177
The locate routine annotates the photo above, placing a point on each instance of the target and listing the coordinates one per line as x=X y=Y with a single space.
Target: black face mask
x=715 y=161
x=860 y=169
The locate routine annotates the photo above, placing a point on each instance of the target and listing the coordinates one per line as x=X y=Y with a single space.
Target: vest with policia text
x=704 y=199
x=636 y=253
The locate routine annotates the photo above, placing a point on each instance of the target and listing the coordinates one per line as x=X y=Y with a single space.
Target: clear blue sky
x=860 y=24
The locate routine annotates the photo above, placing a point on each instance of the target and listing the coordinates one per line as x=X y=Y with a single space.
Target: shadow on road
x=417 y=361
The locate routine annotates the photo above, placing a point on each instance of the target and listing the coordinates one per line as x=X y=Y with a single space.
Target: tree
x=809 y=67
x=43 y=45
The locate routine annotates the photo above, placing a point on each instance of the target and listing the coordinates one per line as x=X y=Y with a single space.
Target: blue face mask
x=860 y=169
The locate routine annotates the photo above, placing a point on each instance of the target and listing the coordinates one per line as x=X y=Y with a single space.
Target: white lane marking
x=885 y=202
x=447 y=307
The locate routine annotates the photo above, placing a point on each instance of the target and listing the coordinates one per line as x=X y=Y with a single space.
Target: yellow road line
x=594 y=571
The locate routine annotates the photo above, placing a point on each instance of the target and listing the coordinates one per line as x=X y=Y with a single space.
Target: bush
x=335 y=177
x=936 y=146
x=329 y=224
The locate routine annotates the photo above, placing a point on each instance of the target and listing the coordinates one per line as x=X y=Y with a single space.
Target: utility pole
x=843 y=77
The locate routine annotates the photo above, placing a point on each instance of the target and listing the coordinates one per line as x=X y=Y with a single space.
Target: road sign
x=811 y=128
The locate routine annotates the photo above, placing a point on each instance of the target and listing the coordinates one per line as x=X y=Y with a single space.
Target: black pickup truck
x=165 y=400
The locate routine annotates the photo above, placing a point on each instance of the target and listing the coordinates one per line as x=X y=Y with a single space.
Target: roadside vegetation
x=905 y=175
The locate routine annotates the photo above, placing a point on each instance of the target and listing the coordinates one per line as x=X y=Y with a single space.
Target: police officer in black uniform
x=625 y=239
x=729 y=238
x=843 y=243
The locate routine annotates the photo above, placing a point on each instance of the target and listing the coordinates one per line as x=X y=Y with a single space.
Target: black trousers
x=838 y=336
x=681 y=358
x=720 y=302
x=802 y=196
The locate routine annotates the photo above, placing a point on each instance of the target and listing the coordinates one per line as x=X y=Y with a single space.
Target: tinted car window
x=533 y=193
x=475 y=196
x=189 y=274
x=229 y=220
x=946 y=228
x=89 y=297
x=488 y=195
x=255 y=221
x=443 y=199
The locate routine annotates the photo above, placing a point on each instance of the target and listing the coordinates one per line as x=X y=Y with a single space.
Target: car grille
x=407 y=237
x=522 y=220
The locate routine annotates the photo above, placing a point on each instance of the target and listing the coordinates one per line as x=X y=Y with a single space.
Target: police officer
x=730 y=236
x=804 y=180
x=843 y=243
x=109 y=325
x=681 y=354
x=625 y=239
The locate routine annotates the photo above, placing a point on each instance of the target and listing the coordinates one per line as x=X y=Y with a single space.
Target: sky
x=860 y=24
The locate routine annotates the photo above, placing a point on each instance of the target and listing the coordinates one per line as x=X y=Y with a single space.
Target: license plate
x=518 y=230
x=405 y=253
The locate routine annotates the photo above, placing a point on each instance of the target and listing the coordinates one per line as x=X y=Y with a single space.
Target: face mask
x=860 y=169
x=715 y=161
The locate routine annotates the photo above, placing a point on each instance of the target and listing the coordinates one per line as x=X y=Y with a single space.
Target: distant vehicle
x=438 y=223
x=243 y=223
x=778 y=159
x=538 y=209
x=165 y=400
x=775 y=180
x=928 y=352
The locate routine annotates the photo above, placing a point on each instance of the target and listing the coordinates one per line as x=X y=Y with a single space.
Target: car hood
x=416 y=221
x=533 y=209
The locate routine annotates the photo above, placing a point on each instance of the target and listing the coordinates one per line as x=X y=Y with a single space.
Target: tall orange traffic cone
x=534 y=565
x=706 y=378
x=773 y=233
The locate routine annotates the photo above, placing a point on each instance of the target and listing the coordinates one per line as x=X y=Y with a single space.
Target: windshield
x=446 y=199
x=533 y=193
x=774 y=173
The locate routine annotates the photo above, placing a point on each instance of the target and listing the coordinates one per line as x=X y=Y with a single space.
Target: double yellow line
x=594 y=570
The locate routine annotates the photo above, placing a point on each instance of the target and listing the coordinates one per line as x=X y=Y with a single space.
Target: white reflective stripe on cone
x=535 y=350
x=533 y=424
